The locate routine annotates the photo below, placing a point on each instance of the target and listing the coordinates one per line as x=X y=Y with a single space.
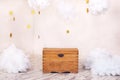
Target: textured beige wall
x=86 y=31
x=21 y=36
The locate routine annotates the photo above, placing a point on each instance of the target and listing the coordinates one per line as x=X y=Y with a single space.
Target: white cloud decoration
x=98 y=6
x=14 y=60
x=66 y=9
x=38 y=3
x=102 y=63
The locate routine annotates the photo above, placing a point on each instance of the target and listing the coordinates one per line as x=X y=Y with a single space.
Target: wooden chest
x=62 y=60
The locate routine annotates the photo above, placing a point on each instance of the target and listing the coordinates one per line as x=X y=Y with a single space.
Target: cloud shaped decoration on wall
x=66 y=9
x=14 y=60
x=98 y=6
x=38 y=4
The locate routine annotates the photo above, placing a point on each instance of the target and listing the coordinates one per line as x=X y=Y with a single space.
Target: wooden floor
x=36 y=74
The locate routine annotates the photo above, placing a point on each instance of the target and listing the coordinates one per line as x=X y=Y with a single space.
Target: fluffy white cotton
x=98 y=6
x=103 y=63
x=66 y=10
x=13 y=60
x=38 y=3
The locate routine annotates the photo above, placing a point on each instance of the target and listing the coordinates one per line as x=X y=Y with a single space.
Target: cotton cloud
x=98 y=6
x=38 y=3
x=14 y=60
x=66 y=9
x=102 y=63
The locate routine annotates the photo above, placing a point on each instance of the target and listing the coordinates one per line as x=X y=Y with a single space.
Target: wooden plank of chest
x=60 y=50
x=65 y=58
x=69 y=54
x=61 y=66
x=58 y=60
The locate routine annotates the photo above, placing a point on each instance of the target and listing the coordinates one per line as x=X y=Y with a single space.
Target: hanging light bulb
x=98 y=6
x=36 y=4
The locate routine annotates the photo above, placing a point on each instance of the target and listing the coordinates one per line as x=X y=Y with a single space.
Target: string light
x=10 y=13
x=87 y=1
x=67 y=31
x=28 y=26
